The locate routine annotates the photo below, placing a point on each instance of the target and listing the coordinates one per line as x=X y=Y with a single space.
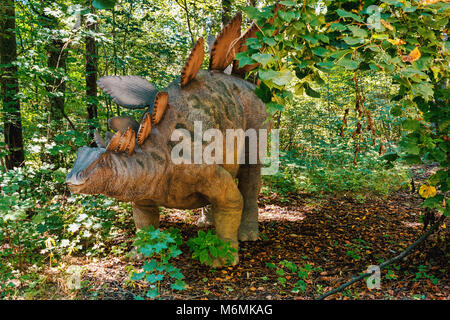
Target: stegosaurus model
x=135 y=163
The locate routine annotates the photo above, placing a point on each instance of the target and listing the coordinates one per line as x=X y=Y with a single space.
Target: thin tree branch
x=386 y=263
x=185 y=8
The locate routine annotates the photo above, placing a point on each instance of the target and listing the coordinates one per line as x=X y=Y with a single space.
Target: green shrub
x=297 y=273
x=158 y=247
x=207 y=246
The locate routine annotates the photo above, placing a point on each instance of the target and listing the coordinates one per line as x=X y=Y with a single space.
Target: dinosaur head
x=115 y=168
x=92 y=172
x=123 y=176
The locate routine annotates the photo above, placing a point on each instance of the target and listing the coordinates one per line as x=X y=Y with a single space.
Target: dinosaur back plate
x=132 y=92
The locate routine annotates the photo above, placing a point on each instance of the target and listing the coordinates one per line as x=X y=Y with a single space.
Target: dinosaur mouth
x=86 y=161
x=74 y=188
x=75 y=180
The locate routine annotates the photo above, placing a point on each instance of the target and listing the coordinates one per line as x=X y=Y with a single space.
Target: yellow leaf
x=426 y=191
x=386 y=24
x=415 y=54
x=396 y=42
x=425 y=2
x=412 y=56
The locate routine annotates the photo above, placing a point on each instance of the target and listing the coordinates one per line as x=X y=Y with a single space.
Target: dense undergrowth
x=333 y=172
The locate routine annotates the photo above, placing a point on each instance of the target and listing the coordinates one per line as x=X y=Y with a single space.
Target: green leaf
x=323 y=38
x=273 y=107
x=433 y=202
x=348 y=64
x=320 y=51
x=151 y=278
x=253 y=43
x=174 y=252
x=252 y=12
x=310 y=91
x=268 y=74
x=353 y=41
x=138 y=276
x=244 y=59
x=160 y=246
x=396 y=110
x=411 y=124
x=282 y=281
x=438 y=154
x=310 y=38
x=178 y=285
x=390 y=157
x=177 y=274
x=270 y=265
x=413 y=150
x=346 y=14
x=263 y=92
x=150 y=266
x=152 y=293
x=204 y=256
x=214 y=252
x=103 y=4
x=325 y=66
x=358 y=32
x=263 y=58
x=269 y=41
x=287 y=16
x=423 y=89
x=288 y=3
x=280 y=272
x=338 y=26
x=284 y=77
x=390 y=2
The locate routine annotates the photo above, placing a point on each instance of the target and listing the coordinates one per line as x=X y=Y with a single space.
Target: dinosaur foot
x=248 y=232
x=223 y=262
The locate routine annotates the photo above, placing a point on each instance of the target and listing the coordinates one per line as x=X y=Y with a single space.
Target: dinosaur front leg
x=145 y=213
x=249 y=177
x=227 y=203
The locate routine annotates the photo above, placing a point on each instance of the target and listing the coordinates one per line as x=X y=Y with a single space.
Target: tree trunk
x=57 y=55
x=91 y=78
x=226 y=12
x=55 y=84
x=12 y=122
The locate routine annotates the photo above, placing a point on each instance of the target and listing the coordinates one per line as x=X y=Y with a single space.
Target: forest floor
x=338 y=237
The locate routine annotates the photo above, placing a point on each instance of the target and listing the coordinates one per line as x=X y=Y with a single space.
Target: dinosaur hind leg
x=227 y=203
x=249 y=177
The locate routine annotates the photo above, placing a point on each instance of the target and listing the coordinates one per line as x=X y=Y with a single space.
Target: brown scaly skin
x=148 y=178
